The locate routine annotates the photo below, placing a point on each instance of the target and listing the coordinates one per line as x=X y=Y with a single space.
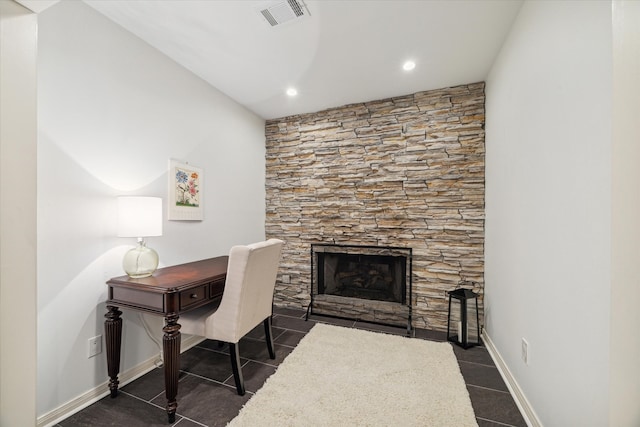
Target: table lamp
x=140 y=217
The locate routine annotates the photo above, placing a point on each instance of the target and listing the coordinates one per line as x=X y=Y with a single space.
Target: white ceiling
x=344 y=52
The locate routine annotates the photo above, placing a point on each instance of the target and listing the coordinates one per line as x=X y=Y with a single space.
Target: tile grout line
x=477 y=363
x=495 y=422
x=487 y=388
x=150 y=402
x=211 y=380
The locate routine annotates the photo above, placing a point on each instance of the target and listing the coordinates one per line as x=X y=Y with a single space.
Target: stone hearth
x=404 y=172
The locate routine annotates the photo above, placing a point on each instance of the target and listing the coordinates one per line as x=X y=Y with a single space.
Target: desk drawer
x=193 y=297
x=216 y=288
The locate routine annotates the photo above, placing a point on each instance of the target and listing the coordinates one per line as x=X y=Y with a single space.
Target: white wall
x=548 y=208
x=625 y=251
x=112 y=112
x=18 y=126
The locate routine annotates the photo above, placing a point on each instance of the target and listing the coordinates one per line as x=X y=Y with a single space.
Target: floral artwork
x=185 y=191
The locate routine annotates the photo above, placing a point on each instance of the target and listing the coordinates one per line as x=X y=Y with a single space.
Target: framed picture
x=185 y=192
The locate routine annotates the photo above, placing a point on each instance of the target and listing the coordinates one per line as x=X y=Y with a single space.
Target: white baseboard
x=523 y=404
x=102 y=390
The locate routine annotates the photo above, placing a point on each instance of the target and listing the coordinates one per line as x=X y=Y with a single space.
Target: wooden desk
x=169 y=292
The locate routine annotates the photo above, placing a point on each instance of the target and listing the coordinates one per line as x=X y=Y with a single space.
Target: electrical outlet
x=95 y=346
x=525 y=351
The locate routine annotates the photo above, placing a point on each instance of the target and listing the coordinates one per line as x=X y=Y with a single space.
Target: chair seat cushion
x=193 y=322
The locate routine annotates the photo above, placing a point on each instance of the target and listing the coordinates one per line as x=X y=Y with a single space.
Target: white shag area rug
x=340 y=376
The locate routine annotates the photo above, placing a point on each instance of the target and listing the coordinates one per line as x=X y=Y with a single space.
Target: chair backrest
x=248 y=292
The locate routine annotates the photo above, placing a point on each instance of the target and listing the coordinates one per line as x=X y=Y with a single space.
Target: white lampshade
x=139 y=216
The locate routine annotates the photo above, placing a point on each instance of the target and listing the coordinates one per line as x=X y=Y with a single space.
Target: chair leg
x=269 y=336
x=237 y=369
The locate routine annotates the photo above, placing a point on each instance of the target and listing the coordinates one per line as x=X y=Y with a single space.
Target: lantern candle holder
x=463 y=313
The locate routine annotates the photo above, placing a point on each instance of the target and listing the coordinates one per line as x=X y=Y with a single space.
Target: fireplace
x=370 y=283
x=374 y=277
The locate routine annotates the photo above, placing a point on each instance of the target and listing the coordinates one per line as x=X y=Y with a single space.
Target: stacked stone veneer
x=405 y=171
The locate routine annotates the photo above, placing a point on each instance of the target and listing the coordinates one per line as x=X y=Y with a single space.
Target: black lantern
x=463 y=325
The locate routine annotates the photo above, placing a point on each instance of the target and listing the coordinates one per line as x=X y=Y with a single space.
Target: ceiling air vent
x=281 y=12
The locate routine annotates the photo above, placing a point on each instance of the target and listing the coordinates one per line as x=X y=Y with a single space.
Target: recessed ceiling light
x=409 y=65
x=292 y=91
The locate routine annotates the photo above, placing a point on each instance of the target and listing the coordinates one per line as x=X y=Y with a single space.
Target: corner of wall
x=18 y=139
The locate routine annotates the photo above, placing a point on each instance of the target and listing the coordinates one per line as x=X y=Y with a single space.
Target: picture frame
x=186 y=196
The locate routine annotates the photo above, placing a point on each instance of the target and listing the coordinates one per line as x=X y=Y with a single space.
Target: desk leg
x=171 y=349
x=113 y=334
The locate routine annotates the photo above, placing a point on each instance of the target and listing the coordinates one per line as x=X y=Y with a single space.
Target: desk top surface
x=175 y=277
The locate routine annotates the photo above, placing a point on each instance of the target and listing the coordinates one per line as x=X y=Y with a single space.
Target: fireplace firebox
x=374 y=277
x=369 y=283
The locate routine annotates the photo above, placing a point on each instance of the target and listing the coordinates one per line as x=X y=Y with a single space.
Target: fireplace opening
x=373 y=277
x=369 y=283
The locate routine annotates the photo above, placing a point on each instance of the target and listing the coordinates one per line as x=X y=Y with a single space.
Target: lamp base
x=140 y=261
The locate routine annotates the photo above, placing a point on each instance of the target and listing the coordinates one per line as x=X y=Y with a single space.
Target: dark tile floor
x=207 y=395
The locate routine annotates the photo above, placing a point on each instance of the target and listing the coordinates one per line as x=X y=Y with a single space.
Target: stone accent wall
x=405 y=171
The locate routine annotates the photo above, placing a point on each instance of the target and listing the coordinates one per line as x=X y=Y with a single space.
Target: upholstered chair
x=247 y=301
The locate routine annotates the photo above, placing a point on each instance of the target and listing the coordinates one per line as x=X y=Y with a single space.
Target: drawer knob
x=194 y=295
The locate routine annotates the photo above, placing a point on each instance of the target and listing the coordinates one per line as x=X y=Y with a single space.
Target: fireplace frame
x=405 y=308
